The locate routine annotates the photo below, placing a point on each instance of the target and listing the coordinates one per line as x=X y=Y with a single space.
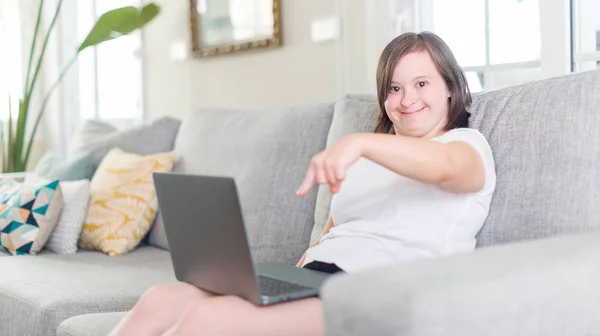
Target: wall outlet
x=178 y=51
x=326 y=29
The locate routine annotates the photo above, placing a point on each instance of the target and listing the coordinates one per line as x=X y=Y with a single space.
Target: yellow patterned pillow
x=123 y=201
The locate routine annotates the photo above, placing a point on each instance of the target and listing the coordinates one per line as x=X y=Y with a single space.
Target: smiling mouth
x=407 y=113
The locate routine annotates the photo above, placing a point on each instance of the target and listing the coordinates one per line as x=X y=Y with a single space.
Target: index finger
x=309 y=180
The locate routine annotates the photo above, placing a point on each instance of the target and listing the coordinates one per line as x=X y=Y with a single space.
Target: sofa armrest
x=20 y=176
x=543 y=287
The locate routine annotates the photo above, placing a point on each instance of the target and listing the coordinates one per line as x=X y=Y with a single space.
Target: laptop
x=206 y=233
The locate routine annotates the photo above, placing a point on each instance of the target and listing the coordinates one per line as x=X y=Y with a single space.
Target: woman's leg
x=159 y=309
x=230 y=315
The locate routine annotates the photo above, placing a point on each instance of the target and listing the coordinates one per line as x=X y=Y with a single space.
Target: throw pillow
x=96 y=139
x=76 y=197
x=123 y=201
x=54 y=166
x=28 y=214
x=354 y=113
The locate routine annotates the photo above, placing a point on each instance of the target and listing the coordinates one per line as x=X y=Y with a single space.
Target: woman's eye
x=395 y=89
x=421 y=84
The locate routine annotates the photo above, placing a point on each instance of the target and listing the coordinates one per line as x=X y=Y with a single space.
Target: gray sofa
x=535 y=271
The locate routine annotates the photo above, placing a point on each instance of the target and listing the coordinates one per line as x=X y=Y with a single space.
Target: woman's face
x=417 y=99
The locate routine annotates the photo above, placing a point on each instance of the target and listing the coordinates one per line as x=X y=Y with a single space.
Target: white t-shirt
x=382 y=217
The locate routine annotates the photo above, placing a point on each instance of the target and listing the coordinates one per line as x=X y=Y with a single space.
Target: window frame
x=96 y=115
x=384 y=20
x=555 y=30
x=580 y=57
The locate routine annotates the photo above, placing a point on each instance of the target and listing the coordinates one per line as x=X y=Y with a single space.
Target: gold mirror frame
x=198 y=51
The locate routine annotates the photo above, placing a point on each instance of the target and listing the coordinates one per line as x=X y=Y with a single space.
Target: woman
x=419 y=186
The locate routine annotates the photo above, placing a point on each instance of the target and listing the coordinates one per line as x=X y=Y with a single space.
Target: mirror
x=228 y=26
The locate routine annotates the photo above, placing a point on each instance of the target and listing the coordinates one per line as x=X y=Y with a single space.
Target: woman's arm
x=455 y=166
x=328 y=225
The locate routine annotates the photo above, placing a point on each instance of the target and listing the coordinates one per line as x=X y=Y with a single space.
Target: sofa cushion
x=544 y=136
x=268 y=153
x=100 y=324
x=96 y=139
x=28 y=214
x=157 y=236
x=39 y=292
x=352 y=114
x=123 y=202
x=55 y=166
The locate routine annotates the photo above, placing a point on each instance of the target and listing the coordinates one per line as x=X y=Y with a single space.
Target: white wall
x=300 y=72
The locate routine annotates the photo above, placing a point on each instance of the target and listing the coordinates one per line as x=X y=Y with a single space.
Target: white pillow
x=76 y=198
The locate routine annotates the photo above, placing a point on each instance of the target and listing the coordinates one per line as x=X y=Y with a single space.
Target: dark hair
x=446 y=65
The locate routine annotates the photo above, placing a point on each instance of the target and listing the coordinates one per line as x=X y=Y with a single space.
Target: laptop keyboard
x=274 y=287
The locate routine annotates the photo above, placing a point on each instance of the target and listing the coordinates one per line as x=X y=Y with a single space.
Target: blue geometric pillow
x=28 y=214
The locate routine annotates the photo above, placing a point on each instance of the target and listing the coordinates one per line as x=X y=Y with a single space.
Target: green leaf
x=10 y=143
x=20 y=132
x=118 y=22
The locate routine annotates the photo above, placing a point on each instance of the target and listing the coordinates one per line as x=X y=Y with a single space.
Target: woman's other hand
x=301 y=262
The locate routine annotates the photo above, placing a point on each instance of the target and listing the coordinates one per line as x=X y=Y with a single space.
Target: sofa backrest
x=545 y=137
x=268 y=153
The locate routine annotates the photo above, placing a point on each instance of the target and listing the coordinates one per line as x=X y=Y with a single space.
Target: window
x=10 y=62
x=493 y=51
x=109 y=75
x=105 y=83
x=586 y=34
x=497 y=42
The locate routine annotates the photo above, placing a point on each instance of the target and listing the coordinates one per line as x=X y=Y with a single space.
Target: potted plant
x=16 y=146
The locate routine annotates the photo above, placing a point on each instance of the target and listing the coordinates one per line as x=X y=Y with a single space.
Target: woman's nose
x=409 y=98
